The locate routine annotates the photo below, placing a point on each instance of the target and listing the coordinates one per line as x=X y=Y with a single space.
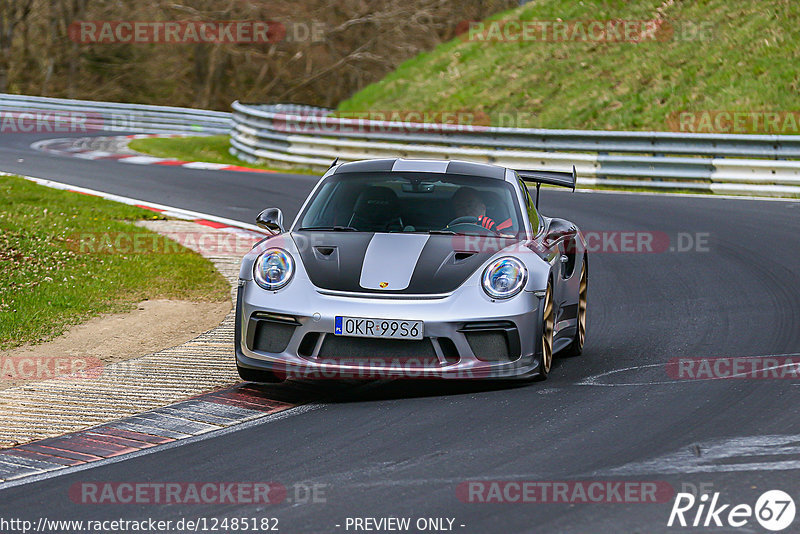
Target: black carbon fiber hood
x=335 y=260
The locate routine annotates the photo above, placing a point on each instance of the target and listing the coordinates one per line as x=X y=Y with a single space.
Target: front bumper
x=467 y=335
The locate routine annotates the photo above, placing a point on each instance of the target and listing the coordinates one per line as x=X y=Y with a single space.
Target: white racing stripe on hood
x=420 y=165
x=391 y=259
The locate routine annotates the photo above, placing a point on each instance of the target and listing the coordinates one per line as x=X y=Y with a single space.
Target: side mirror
x=271 y=220
x=559 y=230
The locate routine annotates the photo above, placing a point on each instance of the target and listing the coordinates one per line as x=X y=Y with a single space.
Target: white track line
x=593 y=379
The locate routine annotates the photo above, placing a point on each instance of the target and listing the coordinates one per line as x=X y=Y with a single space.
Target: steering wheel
x=471 y=223
x=468 y=219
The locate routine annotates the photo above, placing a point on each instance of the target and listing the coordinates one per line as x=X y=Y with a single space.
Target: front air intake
x=375 y=352
x=493 y=341
x=270 y=333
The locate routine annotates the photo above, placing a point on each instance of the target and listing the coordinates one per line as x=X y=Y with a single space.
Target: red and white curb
x=190 y=418
x=75 y=147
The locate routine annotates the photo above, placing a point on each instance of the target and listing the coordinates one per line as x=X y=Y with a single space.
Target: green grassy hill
x=708 y=56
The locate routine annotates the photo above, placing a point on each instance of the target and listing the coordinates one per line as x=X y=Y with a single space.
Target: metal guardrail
x=761 y=165
x=286 y=134
x=41 y=113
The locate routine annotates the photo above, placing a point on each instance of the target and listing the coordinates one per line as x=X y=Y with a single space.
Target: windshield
x=412 y=203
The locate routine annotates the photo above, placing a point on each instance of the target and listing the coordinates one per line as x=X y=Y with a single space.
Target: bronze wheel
x=548 y=323
x=582 y=307
x=576 y=347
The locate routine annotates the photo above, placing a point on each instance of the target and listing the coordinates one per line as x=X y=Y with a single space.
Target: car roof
x=424 y=165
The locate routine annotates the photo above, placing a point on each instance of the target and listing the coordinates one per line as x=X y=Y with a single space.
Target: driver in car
x=467 y=203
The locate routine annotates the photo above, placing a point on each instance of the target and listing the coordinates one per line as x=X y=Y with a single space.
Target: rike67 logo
x=774 y=510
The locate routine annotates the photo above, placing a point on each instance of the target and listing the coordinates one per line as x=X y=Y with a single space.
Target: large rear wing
x=559 y=178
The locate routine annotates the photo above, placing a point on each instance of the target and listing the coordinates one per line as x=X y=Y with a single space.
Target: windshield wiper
x=331 y=228
x=450 y=232
x=442 y=232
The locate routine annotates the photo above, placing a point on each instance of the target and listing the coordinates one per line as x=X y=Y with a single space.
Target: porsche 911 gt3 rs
x=400 y=268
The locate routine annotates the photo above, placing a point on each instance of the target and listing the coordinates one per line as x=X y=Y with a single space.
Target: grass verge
x=206 y=148
x=48 y=281
x=714 y=55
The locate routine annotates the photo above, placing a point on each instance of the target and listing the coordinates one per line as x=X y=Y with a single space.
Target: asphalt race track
x=401 y=449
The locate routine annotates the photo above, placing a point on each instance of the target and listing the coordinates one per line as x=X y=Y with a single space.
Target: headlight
x=504 y=278
x=273 y=269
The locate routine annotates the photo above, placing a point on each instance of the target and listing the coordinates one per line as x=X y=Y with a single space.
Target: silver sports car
x=400 y=268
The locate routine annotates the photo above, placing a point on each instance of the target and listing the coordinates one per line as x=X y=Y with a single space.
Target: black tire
x=576 y=347
x=546 y=340
x=257 y=375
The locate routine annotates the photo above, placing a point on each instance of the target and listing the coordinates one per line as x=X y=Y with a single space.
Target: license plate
x=384 y=328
